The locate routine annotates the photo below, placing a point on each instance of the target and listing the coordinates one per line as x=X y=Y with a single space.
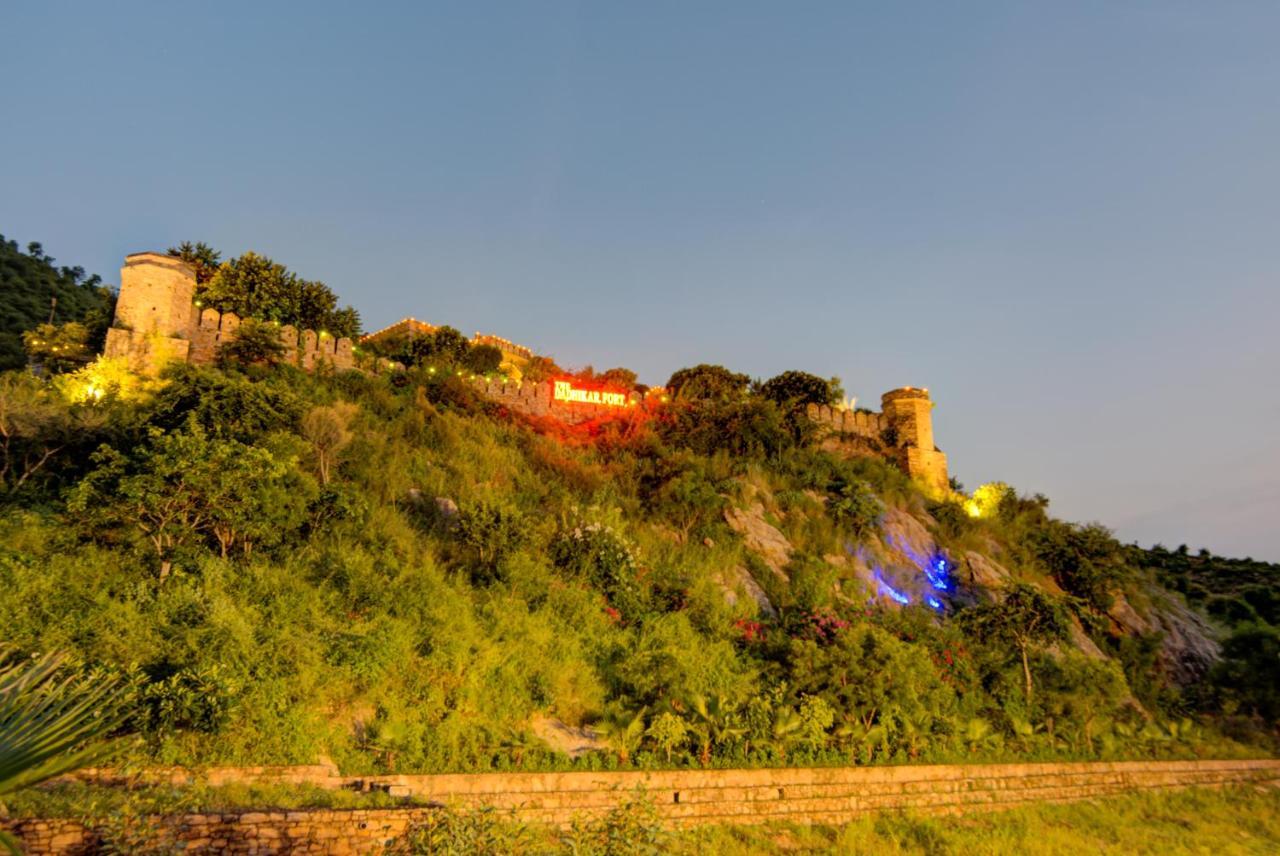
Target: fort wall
x=157 y=321
x=827 y=795
x=536 y=400
x=904 y=430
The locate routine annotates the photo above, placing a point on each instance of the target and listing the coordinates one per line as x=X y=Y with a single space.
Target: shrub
x=708 y=382
x=749 y=428
x=188 y=699
x=482 y=359
x=794 y=389
x=1085 y=560
x=484 y=832
x=608 y=562
x=492 y=530
x=855 y=505
x=255 y=343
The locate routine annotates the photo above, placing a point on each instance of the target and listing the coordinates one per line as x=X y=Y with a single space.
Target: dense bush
x=386 y=571
x=28 y=281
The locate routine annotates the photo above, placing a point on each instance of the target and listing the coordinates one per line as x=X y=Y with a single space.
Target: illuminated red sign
x=563 y=390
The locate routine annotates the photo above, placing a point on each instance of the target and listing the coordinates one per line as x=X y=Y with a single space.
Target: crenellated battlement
x=904 y=428
x=538 y=399
x=861 y=423
x=158 y=321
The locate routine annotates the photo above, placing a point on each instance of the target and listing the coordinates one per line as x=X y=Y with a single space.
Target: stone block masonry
x=157 y=321
x=535 y=399
x=905 y=426
x=828 y=795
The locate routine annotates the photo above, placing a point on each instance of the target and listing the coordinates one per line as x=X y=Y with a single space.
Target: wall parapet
x=905 y=426
x=157 y=321
x=828 y=795
x=536 y=399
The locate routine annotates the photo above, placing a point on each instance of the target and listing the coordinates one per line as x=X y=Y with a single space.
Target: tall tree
x=204 y=258
x=254 y=286
x=35 y=292
x=1025 y=618
x=708 y=382
x=186 y=487
x=796 y=389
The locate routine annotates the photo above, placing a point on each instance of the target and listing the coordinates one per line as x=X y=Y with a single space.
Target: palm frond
x=51 y=725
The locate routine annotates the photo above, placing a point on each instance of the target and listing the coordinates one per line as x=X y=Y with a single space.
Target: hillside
x=27 y=282
x=395 y=574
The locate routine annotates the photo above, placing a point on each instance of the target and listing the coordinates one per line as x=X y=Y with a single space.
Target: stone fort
x=158 y=320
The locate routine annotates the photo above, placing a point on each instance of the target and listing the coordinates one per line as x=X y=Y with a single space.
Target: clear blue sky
x=1062 y=218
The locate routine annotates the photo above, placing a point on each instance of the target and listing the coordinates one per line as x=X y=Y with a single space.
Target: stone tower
x=910 y=413
x=153 y=318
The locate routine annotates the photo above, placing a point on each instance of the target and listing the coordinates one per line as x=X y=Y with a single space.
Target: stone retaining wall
x=682 y=797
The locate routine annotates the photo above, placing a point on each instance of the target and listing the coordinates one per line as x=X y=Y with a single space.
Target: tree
x=1249 y=673
x=483 y=359
x=1025 y=618
x=253 y=286
x=619 y=377
x=204 y=258
x=58 y=348
x=708 y=382
x=750 y=427
x=328 y=430
x=35 y=292
x=448 y=346
x=540 y=369
x=1085 y=560
x=35 y=425
x=184 y=487
x=794 y=389
x=226 y=405
x=255 y=343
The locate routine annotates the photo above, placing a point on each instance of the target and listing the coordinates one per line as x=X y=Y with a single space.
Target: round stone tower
x=155 y=294
x=910 y=413
x=153 y=320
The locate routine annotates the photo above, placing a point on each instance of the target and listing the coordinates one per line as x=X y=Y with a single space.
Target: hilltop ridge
x=410 y=567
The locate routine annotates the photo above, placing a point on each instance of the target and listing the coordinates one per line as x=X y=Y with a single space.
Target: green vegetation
x=386 y=571
x=443 y=350
x=254 y=286
x=1243 y=597
x=49 y=725
x=29 y=281
x=1244 y=821
x=393 y=573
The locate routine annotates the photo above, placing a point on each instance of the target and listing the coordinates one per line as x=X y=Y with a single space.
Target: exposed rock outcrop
x=572 y=740
x=984 y=574
x=761 y=537
x=739 y=578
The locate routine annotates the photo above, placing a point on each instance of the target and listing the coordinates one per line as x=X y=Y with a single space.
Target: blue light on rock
x=886 y=589
x=936 y=571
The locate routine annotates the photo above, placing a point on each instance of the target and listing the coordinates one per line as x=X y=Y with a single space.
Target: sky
x=1061 y=218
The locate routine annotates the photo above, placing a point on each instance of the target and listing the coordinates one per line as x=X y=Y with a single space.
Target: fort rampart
x=537 y=400
x=158 y=320
x=828 y=795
